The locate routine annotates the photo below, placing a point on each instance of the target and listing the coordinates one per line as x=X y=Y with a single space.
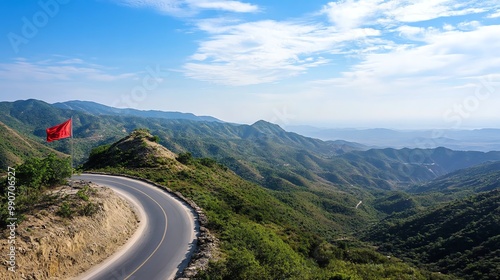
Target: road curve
x=163 y=248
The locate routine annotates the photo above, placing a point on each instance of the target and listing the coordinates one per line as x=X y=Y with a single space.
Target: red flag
x=59 y=131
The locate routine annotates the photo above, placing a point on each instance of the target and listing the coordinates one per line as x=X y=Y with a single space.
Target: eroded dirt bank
x=51 y=246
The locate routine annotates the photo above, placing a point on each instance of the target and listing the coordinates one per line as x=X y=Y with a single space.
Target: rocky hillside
x=60 y=242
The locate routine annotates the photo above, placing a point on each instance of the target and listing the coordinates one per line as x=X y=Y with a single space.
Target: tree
x=185 y=158
x=33 y=177
x=38 y=173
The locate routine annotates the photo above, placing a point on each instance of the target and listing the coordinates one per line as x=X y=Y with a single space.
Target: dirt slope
x=52 y=247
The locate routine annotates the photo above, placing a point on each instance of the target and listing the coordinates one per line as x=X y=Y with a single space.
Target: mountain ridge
x=262 y=152
x=94 y=108
x=328 y=187
x=475 y=179
x=461 y=237
x=264 y=234
x=484 y=139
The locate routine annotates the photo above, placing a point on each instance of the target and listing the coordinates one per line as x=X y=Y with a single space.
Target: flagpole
x=71 y=144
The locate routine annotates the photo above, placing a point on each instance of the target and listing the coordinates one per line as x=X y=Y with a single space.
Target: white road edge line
x=142 y=217
x=193 y=233
x=187 y=209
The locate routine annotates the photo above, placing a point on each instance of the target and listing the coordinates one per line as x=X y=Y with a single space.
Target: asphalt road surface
x=162 y=248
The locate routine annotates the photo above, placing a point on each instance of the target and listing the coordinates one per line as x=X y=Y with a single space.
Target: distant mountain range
x=334 y=187
x=266 y=234
x=464 y=140
x=262 y=152
x=97 y=109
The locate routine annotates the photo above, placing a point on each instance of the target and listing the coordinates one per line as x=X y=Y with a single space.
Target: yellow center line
x=164 y=232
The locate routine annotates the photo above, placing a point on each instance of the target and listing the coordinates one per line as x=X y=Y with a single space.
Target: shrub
x=99 y=150
x=65 y=210
x=83 y=194
x=155 y=138
x=185 y=158
x=208 y=162
x=89 y=209
x=44 y=172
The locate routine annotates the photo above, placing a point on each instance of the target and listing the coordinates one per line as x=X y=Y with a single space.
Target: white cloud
x=416 y=33
x=469 y=25
x=376 y=34
x=231 y=6
x=58 y=70
x=246 y=53
x=347 y=14
x=190 y=7
x=350 y=14
x=446 y=58
x=264 y=51
x=421 y=10
x=176 y=7
x=496 y=14
x=448 y=27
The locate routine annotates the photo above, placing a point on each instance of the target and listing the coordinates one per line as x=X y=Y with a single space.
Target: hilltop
x=61 y=227
x=54 y=247
x=264 y=234
x=308 y=198
x=263 y=152
x=139 y=149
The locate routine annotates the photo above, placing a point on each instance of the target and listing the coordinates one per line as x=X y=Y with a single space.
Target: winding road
x=161 y=247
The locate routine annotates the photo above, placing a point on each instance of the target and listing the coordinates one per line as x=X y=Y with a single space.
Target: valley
x=285 y=205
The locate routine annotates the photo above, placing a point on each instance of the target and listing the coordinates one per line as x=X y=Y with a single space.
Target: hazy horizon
x=290 y=124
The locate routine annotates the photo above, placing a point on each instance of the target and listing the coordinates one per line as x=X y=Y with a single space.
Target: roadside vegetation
x=37 y=186
x=302 y=199
x=262 y=237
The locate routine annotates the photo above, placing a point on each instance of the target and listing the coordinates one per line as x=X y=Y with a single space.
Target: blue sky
x=351 y=63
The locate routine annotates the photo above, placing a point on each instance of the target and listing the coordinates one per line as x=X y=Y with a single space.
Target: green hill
x=268 y=155
x=15 y=148
x=317 y=195
x=461 y=237
x=264 y=233
x=263 y=152
x=139 y=149
x=479 y=178
x=97 y=109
